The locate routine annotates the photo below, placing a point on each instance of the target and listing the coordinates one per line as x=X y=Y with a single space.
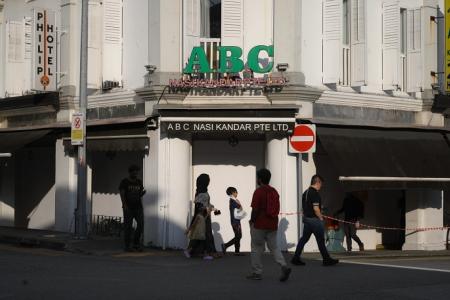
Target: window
x=403 y=30
x=210 y=18
x=346 y=22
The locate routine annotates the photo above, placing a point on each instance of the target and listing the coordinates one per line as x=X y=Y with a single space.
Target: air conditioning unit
x=109 y=85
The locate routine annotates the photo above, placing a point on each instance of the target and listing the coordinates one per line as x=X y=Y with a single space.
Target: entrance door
x=228 y=166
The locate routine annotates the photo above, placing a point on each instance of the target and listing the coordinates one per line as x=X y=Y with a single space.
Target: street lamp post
x=81 y=229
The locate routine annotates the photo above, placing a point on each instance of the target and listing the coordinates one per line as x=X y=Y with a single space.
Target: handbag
x=239 y=214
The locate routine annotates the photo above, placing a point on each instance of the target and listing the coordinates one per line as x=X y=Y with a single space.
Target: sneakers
x=330 y=262
x=297 y=261
x=361 y=247
x=285 y=272
x=186 y=253
x=224 y=248
x=254 y=276
x=208 y=257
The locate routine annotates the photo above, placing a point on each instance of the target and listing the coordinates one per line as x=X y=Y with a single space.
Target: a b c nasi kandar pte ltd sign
x=226 y=127
x=44 y=76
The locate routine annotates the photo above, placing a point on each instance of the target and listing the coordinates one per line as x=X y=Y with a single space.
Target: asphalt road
x=45 y=274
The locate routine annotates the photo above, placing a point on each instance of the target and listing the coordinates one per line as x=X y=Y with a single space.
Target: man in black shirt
x=353 y=210
x=313 y=223
x=131 y=192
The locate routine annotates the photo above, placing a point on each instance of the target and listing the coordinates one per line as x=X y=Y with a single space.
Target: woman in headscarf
x=202 y=200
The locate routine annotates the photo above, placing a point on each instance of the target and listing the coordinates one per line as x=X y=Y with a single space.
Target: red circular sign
x=303 y=138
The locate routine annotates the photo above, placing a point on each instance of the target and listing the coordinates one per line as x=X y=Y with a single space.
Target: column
x=424 y=209
x=65 y=188
x=283 y=167
x=167 y=206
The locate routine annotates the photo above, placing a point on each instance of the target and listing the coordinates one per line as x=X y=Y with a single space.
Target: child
x=197 y=236
x=235 y=223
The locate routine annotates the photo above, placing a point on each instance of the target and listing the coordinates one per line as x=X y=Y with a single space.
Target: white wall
x=7 y=191
x=135 y=42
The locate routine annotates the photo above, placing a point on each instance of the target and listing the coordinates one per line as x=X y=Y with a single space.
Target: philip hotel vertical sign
x=44 y=50
x=447 y=46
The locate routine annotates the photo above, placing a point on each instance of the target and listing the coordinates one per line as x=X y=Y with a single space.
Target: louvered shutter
x=233 y=23
x=332 y=41
x=191 y=12
x=15 y=58
x=358 y=42
x=391 y=45
x=414 y=51
x=28 y=71
x=429 y=46
x=94 y=45
x=112 y=40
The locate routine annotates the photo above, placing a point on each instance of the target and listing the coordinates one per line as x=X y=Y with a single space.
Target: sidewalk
x=107 y=246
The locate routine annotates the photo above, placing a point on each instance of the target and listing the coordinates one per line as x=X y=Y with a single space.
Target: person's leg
x=271 y=238
x=319 y=234
x=355 y=237
x=127 y=224
x=348 y=237
x=139 y=217
x=237 y=235
x=210 y=247
x=232 y=241
x=304 y=239
x=257 y=246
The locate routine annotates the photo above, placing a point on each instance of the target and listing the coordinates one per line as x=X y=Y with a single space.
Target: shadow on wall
x=34 y=180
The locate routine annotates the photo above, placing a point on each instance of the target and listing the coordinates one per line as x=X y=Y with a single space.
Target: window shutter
x=233 y=23
x=16 y=43
x=414 y=51
x=112 y=40
x=28 y=37
x=332 y=41
x=94 y=45
x=358 y=38
x=14 y=85
x=191 y=11
x=391 y=45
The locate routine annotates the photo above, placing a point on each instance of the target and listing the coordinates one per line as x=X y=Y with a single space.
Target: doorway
x=229 y=164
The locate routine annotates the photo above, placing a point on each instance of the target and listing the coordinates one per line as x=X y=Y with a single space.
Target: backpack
x=272 y=203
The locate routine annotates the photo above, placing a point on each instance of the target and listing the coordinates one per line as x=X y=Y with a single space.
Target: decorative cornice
x=372 y=101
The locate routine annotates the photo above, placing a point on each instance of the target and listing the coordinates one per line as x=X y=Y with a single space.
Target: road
x=27 y=273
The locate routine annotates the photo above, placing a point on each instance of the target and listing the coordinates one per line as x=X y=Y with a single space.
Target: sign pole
x=81 y=230
x=299 y=195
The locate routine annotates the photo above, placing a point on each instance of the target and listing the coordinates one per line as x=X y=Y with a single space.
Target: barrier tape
x=361 y=225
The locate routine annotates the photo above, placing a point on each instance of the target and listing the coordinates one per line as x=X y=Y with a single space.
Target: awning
x=388 y=153
x=115 y=143
x=12 y=141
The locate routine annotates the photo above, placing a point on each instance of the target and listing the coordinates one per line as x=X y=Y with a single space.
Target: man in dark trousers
x=131 y=192
x=264 y=226
x=353 y=210
x=313 y=223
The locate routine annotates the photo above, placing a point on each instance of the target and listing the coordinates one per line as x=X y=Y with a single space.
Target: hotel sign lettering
x=231 y=127
x=45 y=50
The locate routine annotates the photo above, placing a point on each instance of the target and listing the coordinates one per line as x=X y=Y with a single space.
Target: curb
x=33 y=242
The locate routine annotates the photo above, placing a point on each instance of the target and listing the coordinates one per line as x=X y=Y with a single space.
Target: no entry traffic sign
x=303 y=139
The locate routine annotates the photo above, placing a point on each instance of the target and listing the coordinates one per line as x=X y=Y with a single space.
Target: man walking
x=353 y=210
x=313 y=223
x=264 y=226
x=131 y=192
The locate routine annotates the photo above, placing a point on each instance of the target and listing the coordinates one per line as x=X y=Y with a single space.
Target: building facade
x=178 y=88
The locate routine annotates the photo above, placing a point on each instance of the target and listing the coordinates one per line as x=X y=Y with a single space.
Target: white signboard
x=77 y=132
x=44 y=77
